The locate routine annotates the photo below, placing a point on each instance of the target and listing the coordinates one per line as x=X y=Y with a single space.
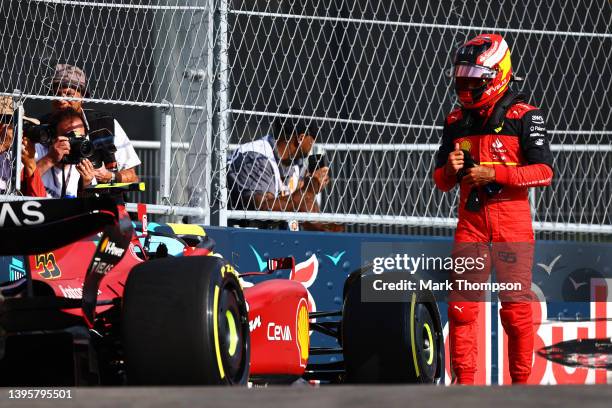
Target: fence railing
x=151 y=157
x=547 y=217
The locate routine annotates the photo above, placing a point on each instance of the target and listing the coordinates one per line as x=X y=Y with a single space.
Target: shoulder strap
x=496 y=120
x=100 y=124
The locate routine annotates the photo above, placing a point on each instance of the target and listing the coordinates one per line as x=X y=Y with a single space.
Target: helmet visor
x=470 y=84
x=474 y=71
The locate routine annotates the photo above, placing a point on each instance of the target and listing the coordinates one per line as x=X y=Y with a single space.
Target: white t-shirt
x=6 y=168
x=53 y=179
x=125 y=155
x=254 y=166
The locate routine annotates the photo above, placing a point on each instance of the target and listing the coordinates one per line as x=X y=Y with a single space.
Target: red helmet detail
x=482 y=71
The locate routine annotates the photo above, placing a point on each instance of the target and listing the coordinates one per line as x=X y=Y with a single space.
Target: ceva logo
x=278 y=333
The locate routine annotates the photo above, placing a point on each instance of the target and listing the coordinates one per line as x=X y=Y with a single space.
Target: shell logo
x=465 y=145
x=104 y=245
x=303 y=334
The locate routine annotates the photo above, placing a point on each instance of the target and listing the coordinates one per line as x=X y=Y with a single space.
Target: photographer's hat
x=69 y=76
x=6 y=109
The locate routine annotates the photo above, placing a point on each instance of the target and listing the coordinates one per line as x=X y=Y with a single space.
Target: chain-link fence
x=375 y=77
x=137 y=55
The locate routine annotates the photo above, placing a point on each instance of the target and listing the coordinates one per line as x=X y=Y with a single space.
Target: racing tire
x=185 y=322
x=391 y=342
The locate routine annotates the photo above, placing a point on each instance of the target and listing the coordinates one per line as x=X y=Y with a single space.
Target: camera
x=317 y=161
x=80 y=147
x=473 y=203
x=43 y=134
x=104 y=148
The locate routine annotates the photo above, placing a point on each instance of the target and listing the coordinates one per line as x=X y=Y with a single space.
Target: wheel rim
x=232 y=340
x=233 y=333
x=425 y=343
x=428 y=344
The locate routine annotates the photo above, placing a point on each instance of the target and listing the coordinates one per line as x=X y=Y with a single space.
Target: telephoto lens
x=80 y=148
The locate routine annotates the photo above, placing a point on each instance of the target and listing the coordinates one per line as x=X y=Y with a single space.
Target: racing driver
x=495 y=147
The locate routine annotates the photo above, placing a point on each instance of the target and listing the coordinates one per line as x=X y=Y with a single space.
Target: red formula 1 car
x=97 y=306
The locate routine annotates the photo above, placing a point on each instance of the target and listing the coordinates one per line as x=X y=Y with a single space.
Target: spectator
x=31 y=185
x=31 y=182
x=64 y=180
x=70 y=81
x=270 y=173
x=6 y=139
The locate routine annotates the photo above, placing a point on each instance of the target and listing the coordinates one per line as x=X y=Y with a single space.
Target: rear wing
x=30 y=226
x=275 y=264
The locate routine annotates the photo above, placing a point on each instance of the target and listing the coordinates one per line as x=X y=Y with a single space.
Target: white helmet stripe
x=497 y=55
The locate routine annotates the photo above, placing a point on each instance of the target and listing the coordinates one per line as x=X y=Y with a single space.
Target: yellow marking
x=505 y=163
x=104 y=244
x=233 y=336
x=431 y=344
x=498 y=129
x=141 y=185
x=505 y=64
x=229 y=269
x=216 y=332
x=412 y=335
x=187 y=229
x=465 y=145
x=303 y=334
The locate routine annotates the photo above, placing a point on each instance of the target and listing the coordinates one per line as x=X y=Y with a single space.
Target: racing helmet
x=482 y=71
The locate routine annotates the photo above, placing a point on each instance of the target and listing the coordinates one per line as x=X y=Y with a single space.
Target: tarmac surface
x=330 y=396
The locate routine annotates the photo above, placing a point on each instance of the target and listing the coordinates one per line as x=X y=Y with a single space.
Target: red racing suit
x=32 y=186
x=512 y=139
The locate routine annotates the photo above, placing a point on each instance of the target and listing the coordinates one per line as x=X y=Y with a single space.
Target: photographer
x=271 y=174
x=30 y=179
x=6 y=140
x=63 y=164
x=120 y=159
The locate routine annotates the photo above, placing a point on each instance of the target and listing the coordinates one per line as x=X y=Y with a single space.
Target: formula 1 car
x=96 y=305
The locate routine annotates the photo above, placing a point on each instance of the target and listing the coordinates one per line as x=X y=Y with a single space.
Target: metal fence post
x=165 y=156
x=18 y=106
x=207 y=196
x=219 y=210
x=532 y=203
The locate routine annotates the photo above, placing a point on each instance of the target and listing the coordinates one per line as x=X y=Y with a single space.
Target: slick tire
x=185 y=322
x=385 y=342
